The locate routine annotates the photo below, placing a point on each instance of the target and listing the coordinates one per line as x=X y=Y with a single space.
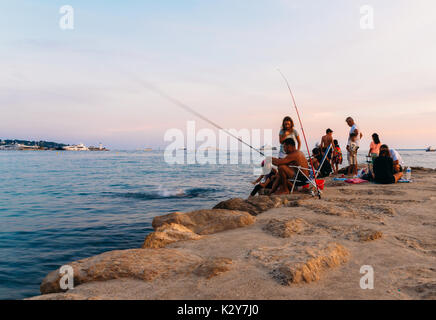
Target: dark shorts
x=329 y=155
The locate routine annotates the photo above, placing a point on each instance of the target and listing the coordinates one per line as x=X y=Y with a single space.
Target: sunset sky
x=220 y=57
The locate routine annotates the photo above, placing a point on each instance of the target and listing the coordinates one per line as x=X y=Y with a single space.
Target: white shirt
x=293 y=135
x=396 y=156
x=353 y=128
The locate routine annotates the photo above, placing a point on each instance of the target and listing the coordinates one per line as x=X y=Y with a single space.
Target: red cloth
x=356 y=181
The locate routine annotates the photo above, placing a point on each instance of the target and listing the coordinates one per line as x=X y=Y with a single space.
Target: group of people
x=294 y=169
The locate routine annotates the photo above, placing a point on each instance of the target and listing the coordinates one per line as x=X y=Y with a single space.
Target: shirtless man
x=327 y=141
x=293 y=157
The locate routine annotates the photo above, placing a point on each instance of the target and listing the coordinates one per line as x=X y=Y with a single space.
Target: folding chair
x=298 y=183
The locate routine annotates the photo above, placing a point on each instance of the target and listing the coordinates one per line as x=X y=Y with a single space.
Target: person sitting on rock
x=264 y=181
x=384 y=172
x=317 y=158
x=294 y=158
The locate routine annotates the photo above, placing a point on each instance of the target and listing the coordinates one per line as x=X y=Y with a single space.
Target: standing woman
x=288 y=131
x=374 y=148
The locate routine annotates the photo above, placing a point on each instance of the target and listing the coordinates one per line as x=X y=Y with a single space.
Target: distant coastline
x=19 y=144
x=16 y=144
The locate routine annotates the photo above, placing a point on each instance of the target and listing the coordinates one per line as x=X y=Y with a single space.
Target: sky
x=220 y=57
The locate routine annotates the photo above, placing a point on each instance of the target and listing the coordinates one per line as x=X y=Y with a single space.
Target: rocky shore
x=287 y=247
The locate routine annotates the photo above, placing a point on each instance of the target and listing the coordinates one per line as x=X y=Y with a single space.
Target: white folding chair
x=309 y=180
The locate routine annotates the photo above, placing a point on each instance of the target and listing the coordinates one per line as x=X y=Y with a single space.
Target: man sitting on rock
x=294 y=158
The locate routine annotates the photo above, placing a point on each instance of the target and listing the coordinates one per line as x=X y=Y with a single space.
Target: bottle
x=408 y=173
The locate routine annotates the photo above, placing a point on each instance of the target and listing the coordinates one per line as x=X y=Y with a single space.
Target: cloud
x=222 y=63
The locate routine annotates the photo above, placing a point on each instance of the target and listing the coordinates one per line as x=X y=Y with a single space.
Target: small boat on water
x=18 y=146
x=76 y=147
x=148 y=149
x=26 y=147
x=431 y=149
x=12 y=146
x=99 y=148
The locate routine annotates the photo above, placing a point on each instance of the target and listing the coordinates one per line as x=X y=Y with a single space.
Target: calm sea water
x=56 y=207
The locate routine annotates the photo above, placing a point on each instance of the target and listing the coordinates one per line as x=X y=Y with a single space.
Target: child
x=317 y=159
x=315 y=155
x=264 y=181
x=337 y=156
x=352 y=148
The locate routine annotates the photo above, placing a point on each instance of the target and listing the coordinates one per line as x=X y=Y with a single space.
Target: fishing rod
x=190 y=110
x=302 y=130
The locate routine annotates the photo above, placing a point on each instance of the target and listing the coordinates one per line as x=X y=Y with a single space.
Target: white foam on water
x=170 y=193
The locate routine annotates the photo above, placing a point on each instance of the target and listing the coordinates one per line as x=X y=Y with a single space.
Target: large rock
x=253 y=205
x=265 y=203
x=237 y=204
x=313 y=266
x=204 y=222
x=169 y=233
x=291 y=264
x=143 y=264
x=286 y=228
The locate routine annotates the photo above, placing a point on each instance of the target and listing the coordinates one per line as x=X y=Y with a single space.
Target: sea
x=61 y=206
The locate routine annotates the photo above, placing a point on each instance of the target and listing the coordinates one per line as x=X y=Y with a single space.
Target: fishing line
x=302 y=130
x=190 y=110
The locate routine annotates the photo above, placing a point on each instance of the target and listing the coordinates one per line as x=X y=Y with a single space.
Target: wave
x=167 y=194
